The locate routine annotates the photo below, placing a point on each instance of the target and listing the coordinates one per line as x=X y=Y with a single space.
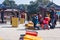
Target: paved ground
x=8 y=33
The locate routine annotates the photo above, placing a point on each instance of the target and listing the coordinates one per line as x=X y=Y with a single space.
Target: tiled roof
x=53 y=5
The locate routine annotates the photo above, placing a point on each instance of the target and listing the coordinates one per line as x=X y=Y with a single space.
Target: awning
x=11 y=10
x=2 y=7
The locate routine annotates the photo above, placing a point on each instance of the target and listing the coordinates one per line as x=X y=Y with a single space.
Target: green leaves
x=10 y=4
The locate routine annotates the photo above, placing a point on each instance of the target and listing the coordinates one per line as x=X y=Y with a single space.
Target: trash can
x=14 y=22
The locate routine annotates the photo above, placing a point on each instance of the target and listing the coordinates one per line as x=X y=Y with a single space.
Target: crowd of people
x=40 y=21
x=47 y=22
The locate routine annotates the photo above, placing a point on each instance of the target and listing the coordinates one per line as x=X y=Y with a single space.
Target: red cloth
x=31 y=33
x=45 y=22
x=47 y=18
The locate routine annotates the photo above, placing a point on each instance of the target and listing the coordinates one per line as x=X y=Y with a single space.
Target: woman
x=52 y=13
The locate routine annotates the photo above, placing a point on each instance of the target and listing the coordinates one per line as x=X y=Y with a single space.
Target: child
x=46 y=23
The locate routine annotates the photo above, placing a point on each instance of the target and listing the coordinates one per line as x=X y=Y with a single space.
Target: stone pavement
x=8 y=33
x=52 y=34
x=14 y=34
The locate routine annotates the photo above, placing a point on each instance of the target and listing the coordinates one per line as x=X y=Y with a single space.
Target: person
x=11 y=15
x=52 y=12
x=46 y=22
x=40 y=18
x=56 y=18
x=35 y=20
x=48 y=15
x=22 y=19
x=2 y=16
x=17 y=14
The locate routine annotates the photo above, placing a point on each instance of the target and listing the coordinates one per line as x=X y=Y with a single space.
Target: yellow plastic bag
x=32 y=37
x=30 y=25
x=38 y=38
x=1 y=39
x=14 y=22
x=27 y=39
x=22 y=20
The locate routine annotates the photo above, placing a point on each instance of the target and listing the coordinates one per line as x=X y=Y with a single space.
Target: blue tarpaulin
x=58 y=13
x=2 y=6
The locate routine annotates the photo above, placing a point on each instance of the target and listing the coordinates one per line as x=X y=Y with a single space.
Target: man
x=52 y=13
x=35 y=20
x=2 y=16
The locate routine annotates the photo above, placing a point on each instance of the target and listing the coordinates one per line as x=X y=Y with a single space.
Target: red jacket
x=47 y=18
x=45 y=22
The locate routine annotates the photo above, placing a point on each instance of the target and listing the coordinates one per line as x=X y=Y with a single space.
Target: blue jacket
x=35 y=19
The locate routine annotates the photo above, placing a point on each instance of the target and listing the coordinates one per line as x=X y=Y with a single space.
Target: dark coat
x=52 y=13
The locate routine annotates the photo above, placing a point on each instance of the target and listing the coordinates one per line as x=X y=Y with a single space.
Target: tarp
x=2 y=6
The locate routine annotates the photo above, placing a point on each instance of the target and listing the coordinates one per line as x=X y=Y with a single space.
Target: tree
x=35 y=7
x=6 y=2
x=21 y=7
x=32 y=8
x=10 y=4
x=42 y=3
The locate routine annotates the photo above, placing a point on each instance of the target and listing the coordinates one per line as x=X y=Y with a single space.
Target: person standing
x=11 y=15
x=2 y=16
x=22 y=19
x=52 y=13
